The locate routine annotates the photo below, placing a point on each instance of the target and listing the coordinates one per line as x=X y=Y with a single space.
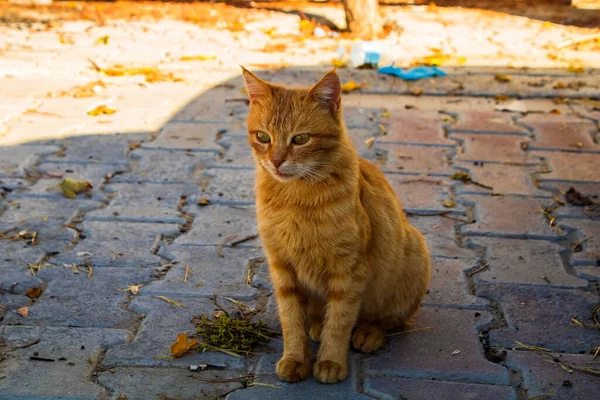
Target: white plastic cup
x=365 y=53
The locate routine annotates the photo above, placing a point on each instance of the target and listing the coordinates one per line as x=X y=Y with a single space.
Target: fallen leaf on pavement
x=503 y=78
x=576 y=198
x=101 y=110
x=134 y=289
x=23 y=312
x=34 y=292
x=448 y=203
x=338 y=63
x=203 y=202
x=369 y=142
x=198 y=58
x=351 y=86
x=102 y=40
x=170 y=301
x=182 y=345
x=71 y=187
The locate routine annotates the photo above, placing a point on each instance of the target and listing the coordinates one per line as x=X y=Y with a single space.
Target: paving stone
x=208 y=273
x=428 y=354
x=15 y=159
x=307 y=389
x=159 y=329
x=440 y=235
x=104 y=149
x=588 y=252
x=491 y=148
x=449 y=285
x=193 y=137
x=213 y=223
x=76 y=351
x=412 y=128
x=10 y=304
x=503 y=178
x=34 y=213
x=166 y=166
x=591 y=190
x=578 y=168
x=508 y=216
x=209 y=108
x=230 y=186
x=121 y=244
x=166 y=383
x=238 y=152
x=145 y=202
x=359 y=117
x=76 y=300
x=527 y=308
x=422 y=196
x=416 y=159
x=487 y=122
x=542 y=377
x=565 y=134
x=532 y=262
x=391 y=388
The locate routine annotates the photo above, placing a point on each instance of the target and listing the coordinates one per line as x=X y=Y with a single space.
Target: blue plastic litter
x=412 y=74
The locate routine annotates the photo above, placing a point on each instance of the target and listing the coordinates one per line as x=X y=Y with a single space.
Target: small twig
x=228 y=352
x=484 y=266
x=571 y=42
x=242 y=240
x=223 y=242
x=264 y=385
x=187 y=270
x=576 y=245
x=410 y=331
x=96 y=67
x=221 y=380
x=481 y=185
x=422 y=179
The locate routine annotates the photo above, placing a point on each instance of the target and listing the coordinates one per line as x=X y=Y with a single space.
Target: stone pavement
x=513 y=259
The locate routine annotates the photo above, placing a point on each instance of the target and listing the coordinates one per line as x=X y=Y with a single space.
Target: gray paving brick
x=563 y=134
x=15 y=159
x=76 y=300
x=440 y=235
x=166 y=383
x=509 y=216
x=32 y=213
x=417 y=128
x=577 y=168
x=526 y=308
x=588 y=251
x=502 y=178
x=237 y=151
x=524 y=262
x=391 y=388
x=159 y=329
x=208 y=273
x=416 y=195
x=416 y=159
x=487 y=121
x=230 y=186
x=121 y=244
x=429 y=354
x=214 y=222
x=449 y=285
x=193 y=137
x=542 y=377
x=487 y=148
x=93 y=173
x=75 y=351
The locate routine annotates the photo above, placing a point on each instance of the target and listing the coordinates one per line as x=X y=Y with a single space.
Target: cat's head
x=295 y=132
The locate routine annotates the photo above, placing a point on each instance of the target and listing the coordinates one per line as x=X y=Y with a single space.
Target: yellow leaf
x=501 y=97
x=448 y=203
x=71 y=187
x=338 y=63
x=170 y=301
x=102 y=40
x=385 y=114
x=351 y=86
x=503 y=78
x=198 y=58
x=369 y=142
x=461 y=60
x=134 y=289
x=34 y=292
x=182 y=345
x=554 y=111
x=382 y=129
x=23 y=312
x=100 y=110
x=576 y=69
x=547 y=24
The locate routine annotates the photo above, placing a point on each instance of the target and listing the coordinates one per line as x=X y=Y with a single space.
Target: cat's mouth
x=283 y=175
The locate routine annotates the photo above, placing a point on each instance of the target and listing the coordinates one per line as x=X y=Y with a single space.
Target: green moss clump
x=232 y=335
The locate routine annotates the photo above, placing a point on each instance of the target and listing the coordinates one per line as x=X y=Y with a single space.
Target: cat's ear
x=257 y=88
x=328 y=91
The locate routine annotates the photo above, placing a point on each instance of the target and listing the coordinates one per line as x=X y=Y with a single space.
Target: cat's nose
x=277 y=162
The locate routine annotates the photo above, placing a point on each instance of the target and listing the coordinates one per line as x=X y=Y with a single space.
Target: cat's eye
x=300 y=139
x=263 y=137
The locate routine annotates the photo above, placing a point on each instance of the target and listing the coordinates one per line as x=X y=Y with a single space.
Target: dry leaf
x=101 y=110
x=203 y=202
x=34 y=292
x=416 y=92
x=385 y=114
x=503 y=78
x=382 y=129
x=338 y=63
x=351 y=86
x=448 y=203
x=554 y=111
x=501 y=97
x=369 y=142
x=455 y=352
x=102 y=40
x=182 y=345
x=170 y=301
x=134 y=289
x=576 y=69
x=23 y=312
x=198 y=58
x=71 y=187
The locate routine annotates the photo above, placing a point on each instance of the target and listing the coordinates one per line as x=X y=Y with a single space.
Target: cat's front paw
x=327 y=371
x=290 y=370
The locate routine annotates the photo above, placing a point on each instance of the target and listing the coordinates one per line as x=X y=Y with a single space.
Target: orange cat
x=341 y=252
